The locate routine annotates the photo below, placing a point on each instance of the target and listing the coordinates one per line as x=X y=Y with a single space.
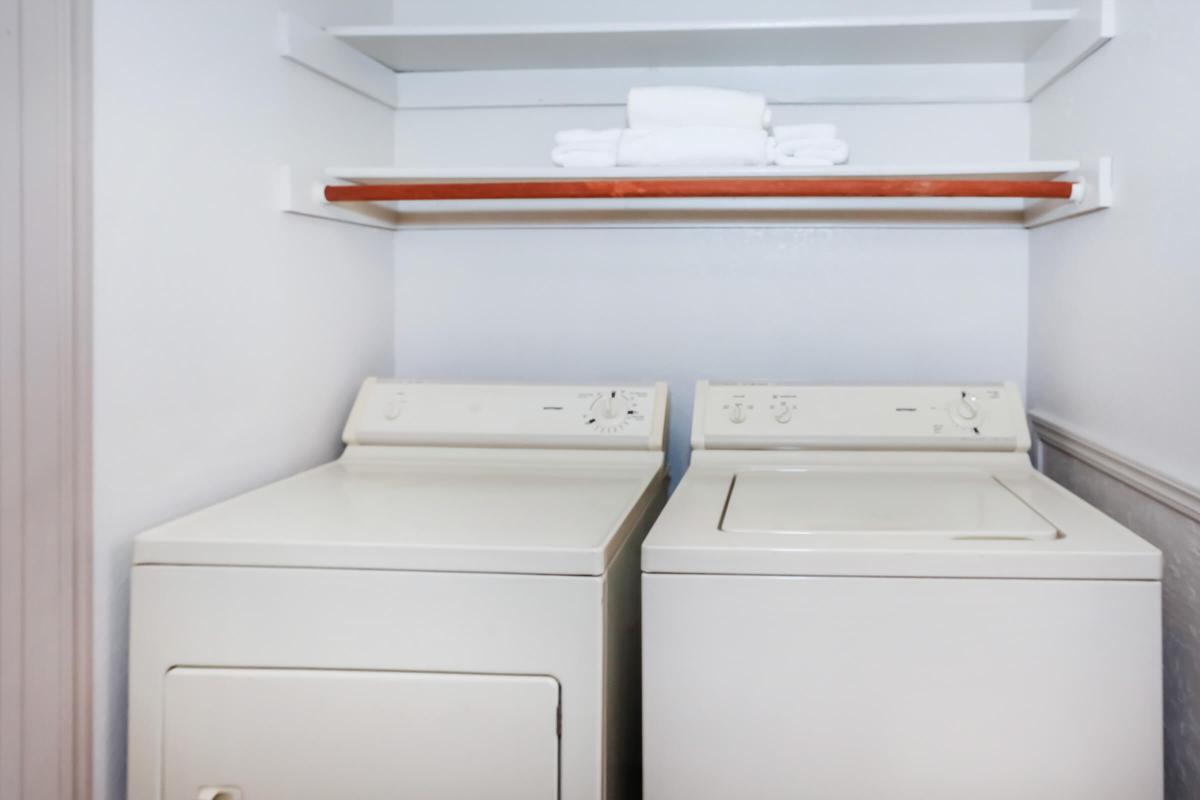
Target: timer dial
x=610 y=411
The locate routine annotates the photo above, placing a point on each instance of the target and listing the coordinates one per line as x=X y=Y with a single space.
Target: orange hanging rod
x=703 y=187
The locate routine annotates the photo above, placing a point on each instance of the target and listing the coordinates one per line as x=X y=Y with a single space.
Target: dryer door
x=294 y=734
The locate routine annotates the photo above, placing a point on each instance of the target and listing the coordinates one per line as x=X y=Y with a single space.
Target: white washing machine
x=448 y=611
x=868 y=593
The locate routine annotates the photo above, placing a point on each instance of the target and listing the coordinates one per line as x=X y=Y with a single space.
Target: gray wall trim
x=45 y=400
x=1170 y=492
x=1163 y=511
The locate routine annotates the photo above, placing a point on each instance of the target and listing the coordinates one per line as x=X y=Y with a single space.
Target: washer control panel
x=395 y=412
x=800 y=416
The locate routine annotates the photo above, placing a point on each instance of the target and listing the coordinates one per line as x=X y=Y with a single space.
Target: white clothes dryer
x=858 y=593
x=450 y=610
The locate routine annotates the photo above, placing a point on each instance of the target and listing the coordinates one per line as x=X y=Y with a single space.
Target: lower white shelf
x=302 y=193
x=1030 y=170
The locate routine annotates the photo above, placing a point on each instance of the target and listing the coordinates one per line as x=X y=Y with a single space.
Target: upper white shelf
x=958 y=38
x=916 y=58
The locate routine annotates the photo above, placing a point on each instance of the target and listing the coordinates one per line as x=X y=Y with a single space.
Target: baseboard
x=1166 y=490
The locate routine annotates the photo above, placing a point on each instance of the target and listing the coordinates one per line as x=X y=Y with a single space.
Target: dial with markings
x=966 y=412
x=609 y=411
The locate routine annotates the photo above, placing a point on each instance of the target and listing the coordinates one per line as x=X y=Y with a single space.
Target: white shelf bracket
x=301 y=191
x=326 y=55
x=1093 y=26
x=1093 y=192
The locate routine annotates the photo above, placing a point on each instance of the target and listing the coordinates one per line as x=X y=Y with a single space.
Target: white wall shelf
x=947 y=57
x=303 y=194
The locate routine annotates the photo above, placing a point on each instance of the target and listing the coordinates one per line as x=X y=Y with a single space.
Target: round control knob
x=393 y=409
x=608 y=406
x=737 y=413
x=783 y=414
x=965 y=412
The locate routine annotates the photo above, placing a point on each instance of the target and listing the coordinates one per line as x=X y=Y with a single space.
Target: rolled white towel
x=819 y=130
x=808 y=152
x=693 y=147
x=683 y=106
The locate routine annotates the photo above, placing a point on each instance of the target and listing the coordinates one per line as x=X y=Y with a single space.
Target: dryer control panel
x=783 y=416
x=616 y=417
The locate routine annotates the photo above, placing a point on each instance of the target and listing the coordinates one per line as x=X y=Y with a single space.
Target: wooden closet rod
x=701 y=187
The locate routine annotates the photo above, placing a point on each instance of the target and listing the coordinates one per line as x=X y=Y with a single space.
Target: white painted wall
x=679 y=304
x=229 y=337
x=1115 y=328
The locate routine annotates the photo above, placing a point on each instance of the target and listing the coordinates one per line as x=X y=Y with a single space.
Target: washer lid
x=895 y=503
x=886 y=514
x=435 y=509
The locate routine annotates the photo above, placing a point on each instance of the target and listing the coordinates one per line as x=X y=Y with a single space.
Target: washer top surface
x=462 y=510
x=514 y=485
x=879 y=481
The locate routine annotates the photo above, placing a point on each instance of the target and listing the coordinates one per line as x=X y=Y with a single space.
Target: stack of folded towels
x=691 y=126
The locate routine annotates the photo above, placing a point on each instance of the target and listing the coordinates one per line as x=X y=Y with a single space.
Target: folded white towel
x=581 y=147
x=820 y=130
x=589 y=147
x=664 y=147
x=576 y=135
x=693 y=147
x=804 y=161
x=682 y=106
x=566 y=156
x=808 y=152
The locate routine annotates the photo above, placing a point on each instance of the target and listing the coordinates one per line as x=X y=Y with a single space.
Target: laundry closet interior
x=238 y=309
